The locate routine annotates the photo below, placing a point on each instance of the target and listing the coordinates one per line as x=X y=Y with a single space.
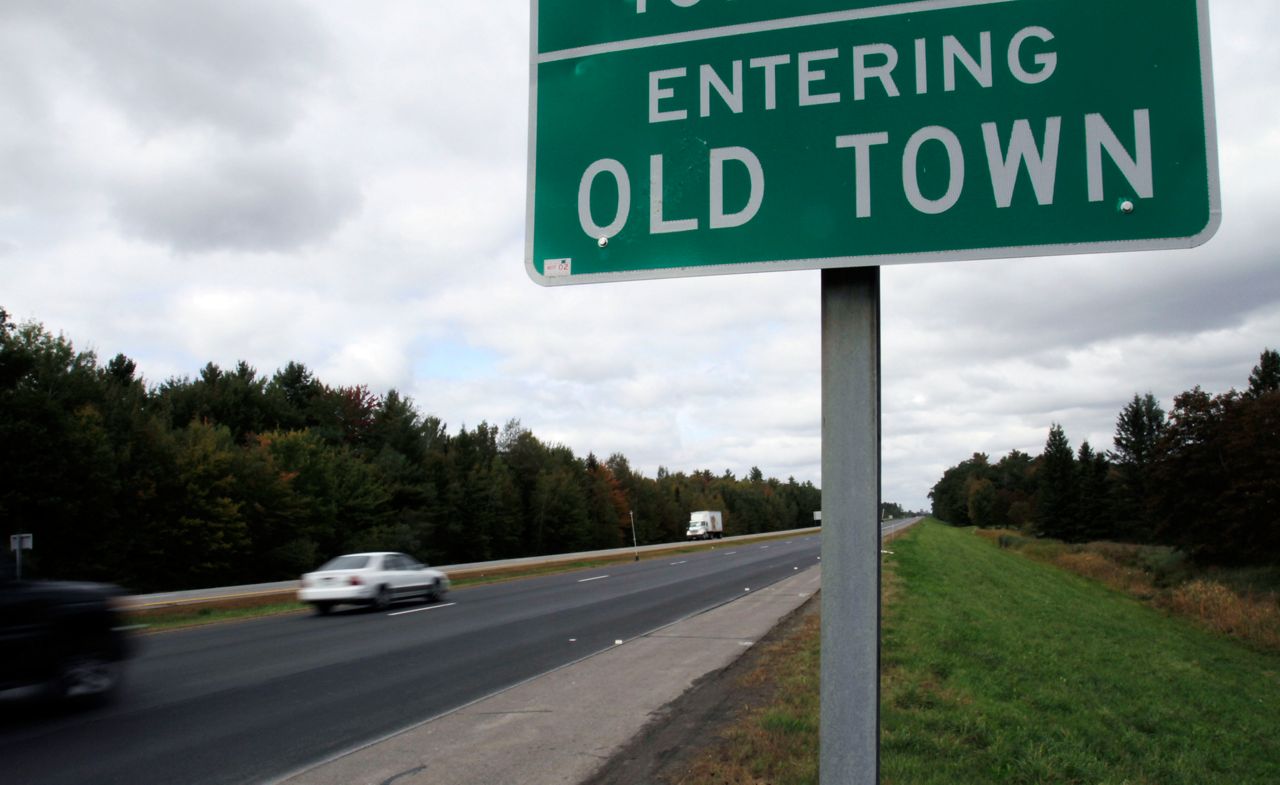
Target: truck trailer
x=705 y=525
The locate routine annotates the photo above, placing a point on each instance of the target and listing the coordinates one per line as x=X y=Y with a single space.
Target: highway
x=252 y=701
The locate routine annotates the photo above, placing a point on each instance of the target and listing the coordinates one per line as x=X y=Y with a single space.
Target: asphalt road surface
x=250 y=702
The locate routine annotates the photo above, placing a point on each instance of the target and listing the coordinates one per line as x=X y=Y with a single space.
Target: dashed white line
x=419 y=610
x=597 y=578
x=674 y=563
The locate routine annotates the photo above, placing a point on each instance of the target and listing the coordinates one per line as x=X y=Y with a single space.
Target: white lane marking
x=419 y=610
x=730 y=553
x=597 y=578
x=764 y=547
x=674 y=563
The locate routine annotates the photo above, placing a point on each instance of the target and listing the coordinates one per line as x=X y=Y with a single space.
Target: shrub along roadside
x=1243 y=602
x=997 y=668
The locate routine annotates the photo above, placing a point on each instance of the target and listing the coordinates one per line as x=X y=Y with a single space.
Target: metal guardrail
x=279 y=588
x=282 y=588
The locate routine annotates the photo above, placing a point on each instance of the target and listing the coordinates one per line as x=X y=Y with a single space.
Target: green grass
x=1003 y=669
x=178 y=617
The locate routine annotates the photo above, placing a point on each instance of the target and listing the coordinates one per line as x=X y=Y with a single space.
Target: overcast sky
x=343 y=183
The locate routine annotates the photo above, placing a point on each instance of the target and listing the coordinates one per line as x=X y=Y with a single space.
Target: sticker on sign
x=698 y=137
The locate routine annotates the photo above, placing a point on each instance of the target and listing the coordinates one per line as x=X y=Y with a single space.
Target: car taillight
x=355 y=580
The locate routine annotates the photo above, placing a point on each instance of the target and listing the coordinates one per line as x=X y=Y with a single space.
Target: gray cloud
x=342 y=183
x=255 y=202
x=239 y=66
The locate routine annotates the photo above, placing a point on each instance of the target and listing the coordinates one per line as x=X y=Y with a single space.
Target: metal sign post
x=19 y=543
x=850 y=718
x=672 y=138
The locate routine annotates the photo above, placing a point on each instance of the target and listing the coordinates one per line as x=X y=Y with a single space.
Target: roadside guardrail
x=282 y=589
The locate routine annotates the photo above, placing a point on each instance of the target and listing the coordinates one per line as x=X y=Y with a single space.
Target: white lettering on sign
x=861 y=144
x=718 y=217
x=953 y=52
x=884 y=71
x=709 y=79
x=1003 y=164
x=657 y=93
x=623 y=182
x=770 y=66
x=1136 y=168
x=1042 y=165
x=1047 y=61
x=861 y=72
x=658 y=224
x=810 y=75
x=910 y=170
x=877 y=69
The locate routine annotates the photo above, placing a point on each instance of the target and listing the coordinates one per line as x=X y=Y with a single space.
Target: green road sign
x=698 y=137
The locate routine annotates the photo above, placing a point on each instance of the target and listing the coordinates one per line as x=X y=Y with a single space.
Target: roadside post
x=19 y=543
x=672 y=138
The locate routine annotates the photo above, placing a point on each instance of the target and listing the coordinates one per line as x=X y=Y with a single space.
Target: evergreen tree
x=1095 y=494
x=1265 y=377
x=1139 y=429
x=1057 y=499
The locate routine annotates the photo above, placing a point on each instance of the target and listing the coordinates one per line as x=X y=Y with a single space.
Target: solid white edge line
x=597 y=578
x=420 y=610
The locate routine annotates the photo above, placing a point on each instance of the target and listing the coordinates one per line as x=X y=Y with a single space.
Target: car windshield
x=345 y=563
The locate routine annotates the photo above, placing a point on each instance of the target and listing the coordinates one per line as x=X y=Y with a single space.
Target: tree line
x=1203 y=477
x=234 y=477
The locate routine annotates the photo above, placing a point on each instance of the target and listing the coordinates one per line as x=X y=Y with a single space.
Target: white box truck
x=705 y=525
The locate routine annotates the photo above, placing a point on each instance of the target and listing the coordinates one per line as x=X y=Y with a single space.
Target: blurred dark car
x=62 y=640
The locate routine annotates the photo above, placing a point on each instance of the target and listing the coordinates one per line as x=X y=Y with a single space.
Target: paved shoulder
x=562 y=726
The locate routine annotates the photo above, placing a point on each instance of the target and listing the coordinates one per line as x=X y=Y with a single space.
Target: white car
x=375 y=579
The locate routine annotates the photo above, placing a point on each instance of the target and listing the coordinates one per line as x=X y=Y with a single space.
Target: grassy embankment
x=1243 y=602
x=1000 y=668
x=279 y=603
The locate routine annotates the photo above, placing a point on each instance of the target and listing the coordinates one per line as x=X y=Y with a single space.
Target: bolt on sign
x=697 y=137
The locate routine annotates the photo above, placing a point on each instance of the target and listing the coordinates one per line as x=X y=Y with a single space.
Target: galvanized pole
x=850 y=729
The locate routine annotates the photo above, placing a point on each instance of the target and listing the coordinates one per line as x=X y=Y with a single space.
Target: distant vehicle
x=705 y=525
x=62 y=640
x=374 y=579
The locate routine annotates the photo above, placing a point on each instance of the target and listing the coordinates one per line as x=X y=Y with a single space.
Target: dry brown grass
x=1251 y=618
x=1099 y=567
x=773 y=742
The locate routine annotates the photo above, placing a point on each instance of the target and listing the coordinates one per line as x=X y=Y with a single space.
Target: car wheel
x=382 y=599
x=87 y=678
x=322 y=608
x=437 y=592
